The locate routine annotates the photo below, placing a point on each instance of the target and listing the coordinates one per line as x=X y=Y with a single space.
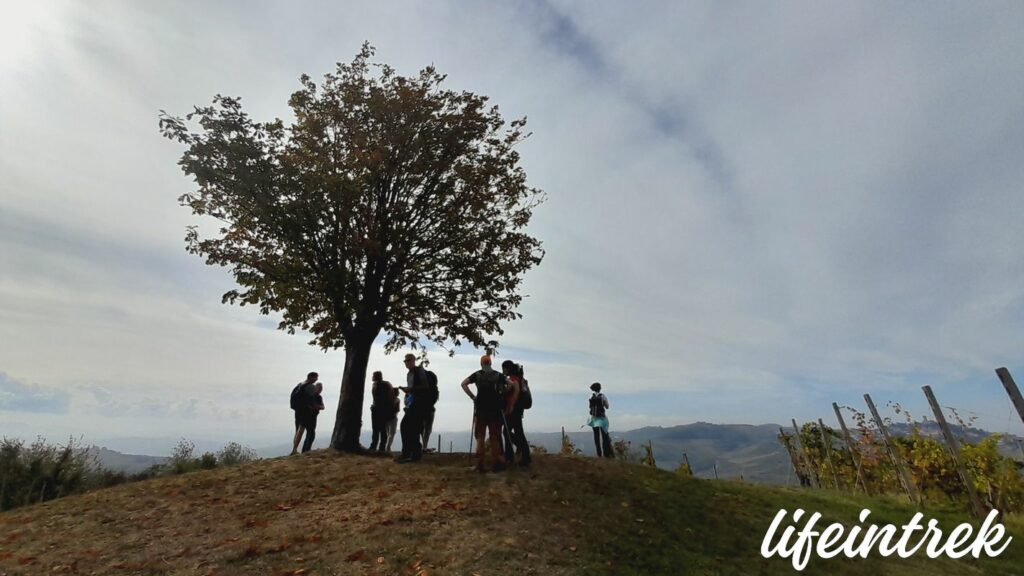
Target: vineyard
x=930 y=464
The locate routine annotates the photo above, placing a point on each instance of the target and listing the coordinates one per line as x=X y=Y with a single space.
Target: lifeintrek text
x=905 y=541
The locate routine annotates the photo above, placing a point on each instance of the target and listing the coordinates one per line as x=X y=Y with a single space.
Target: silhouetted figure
x=599 y=422
x=417 y=387
x=303 y=402
x=382 y=411
x=488 y=406
x=514 y=414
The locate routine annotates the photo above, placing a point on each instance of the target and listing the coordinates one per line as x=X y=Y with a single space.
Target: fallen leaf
x=251 y=552
x=356 y=556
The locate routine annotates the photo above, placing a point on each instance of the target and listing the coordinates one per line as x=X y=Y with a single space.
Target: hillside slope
x=325 y=513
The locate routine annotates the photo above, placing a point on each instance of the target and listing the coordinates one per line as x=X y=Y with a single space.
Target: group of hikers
x=500 y=399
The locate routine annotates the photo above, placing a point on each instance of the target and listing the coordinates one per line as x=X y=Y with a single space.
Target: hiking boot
x=498 y=467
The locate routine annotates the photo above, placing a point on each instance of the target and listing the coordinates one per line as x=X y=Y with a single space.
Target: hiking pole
x=472 y=432
x=507 y=437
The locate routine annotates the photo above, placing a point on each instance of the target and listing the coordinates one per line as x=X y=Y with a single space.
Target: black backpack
x=525 y=401
x=296 y=399
x=435 y=392
x=597 y=405
x=491 y=388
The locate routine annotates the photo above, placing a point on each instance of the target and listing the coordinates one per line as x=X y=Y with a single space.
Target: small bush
x=624 y=451
x=234 y=453
x=207 y=461
x=40 y=471
x=181 y=457
x=568 y=448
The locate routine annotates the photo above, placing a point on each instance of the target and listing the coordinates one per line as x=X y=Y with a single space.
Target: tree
x=388 y=205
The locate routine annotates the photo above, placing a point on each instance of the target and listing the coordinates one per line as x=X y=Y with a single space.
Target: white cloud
x=746 y=203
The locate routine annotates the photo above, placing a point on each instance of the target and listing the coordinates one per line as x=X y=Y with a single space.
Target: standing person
x=488 y=404
x=416 y=388
x=382 y=411
x=517 y=405
x=599 y=422
x=303 y=396
x=316 y=406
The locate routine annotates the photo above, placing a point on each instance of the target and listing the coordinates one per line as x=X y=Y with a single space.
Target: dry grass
x=325 y=513
x=321 y=513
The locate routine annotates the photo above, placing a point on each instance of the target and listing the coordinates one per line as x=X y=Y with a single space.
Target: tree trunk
x=349 y=421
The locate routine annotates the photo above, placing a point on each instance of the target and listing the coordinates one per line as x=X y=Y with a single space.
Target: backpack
x=597 y=405
x=382 y=395
x=491 y=388
x=296 y=398
x=435 y=392
x=525 y=397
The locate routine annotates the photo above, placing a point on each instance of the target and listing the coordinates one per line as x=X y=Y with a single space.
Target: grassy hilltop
x=325 y=513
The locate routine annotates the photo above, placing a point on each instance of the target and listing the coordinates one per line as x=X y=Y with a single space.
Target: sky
x=754 y=209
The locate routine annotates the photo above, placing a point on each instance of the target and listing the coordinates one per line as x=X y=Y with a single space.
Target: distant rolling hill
x=740 y=450
x=127 y=463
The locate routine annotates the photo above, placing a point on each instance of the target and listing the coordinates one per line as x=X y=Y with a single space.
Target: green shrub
x=40 y=471
x=234 y=453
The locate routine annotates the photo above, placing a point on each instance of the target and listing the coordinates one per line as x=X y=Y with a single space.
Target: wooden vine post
x=810 y=469
x=1012 y=390
x=854 y=453
x=793 y=458
x=901 y=472
x=954 y=449
x=826 y=444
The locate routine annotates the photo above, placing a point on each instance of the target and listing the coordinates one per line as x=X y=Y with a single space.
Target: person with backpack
x=519 y=401
x=431 y=401
x=303 y=400
x=382 y=411
x=417 y=388
x=317 y=406
x=489 y=411
x=599 y=422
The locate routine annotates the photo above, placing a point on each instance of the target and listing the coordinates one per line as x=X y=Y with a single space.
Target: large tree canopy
x=388 y=204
